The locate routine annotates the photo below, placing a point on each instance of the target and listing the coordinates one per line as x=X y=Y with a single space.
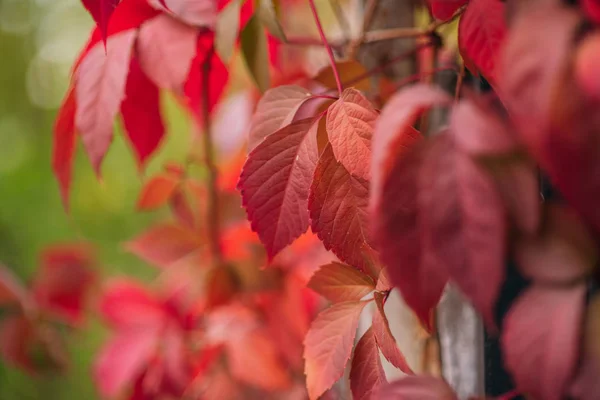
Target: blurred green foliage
x=31 y=213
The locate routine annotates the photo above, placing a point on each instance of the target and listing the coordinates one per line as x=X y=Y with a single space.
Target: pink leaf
x=418 y=388
x=166 y=48
x=99 y=89
x=201 y=13
x=393 y=130
x=445 y=9
x=101 y=11
x=339 y=282
x=338 y=210
x=276 y=109
x=350 y=125
x=481 y=34
x=127 y=304
x=540 y=340
x=367 y=375
x=564 y=252
x=463 y=213
x=63 y=151
x=398 y=226
x=63 y=281
x=384 y=338
x=328 y=345
x=123 y=359
x=141 y=113
x=275 y=183
x=164 y=244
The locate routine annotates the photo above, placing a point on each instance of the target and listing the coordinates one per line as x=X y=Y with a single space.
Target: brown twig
x=213 y=214
x=370 y=9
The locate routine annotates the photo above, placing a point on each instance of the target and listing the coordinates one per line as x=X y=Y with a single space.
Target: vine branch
x=213 y=214
x=327 y=46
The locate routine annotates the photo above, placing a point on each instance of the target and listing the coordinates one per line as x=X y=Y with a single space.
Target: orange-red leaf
x=338 y=205
x=166 y=48
x=164 y=244
x=350 y=125
x=418 y=388
x=367 y=375
x=157 y=192
x=328 y=345
x=540 y=340
x=99 y=90
x=445 y=9
x=63 y=150
x=340 y=282
x=101 y=11
x=275 y=183
x=141 y=113
x=384 y=338
x=481 y=34
x=276 y=109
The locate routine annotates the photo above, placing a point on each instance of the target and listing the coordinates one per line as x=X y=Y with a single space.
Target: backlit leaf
x=338 y=210
x=157 y=192
x=385 y=339
x=63 y=150
x=268 y=17
x=418 y=388
x=339 y=282
x=166 y=48
x=193 y=12
x=227 y=29
x=275 y=183
x=481 y=33
x=164 y=244
x=101 y=11
x=367 y=375
x=328 y=345
x=350 y=125
x=256 y=53
x=99 y=90
x=276 y=109
x=563 y=252
x=540 y=340
x=141 y=113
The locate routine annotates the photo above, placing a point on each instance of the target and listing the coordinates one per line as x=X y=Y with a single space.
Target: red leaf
x=541 y=337
x=481 y=34
x=339 y=282
x=564 y=251
x=123 y=359
x=592 y=9
x=276 y=109
x=181 y=209
x=164 y=244
x=166 y=48
x=418 y=388
x=63 y=281
x=394 y=134
x=463 y=213
x=157 y=192
x=16 y=336
x=481 y=128
x=64 y=145
x=193 y=12
x=253 y=359
x=100 y=88
x=141 y=113
x=399 y=226
x=328 y=345
x=338 y=210
x=101 y=11
x=350 y=125
x=275 y=183
x=445 y=9
x=127 y=304
x=218 y=78
x=367 y=375
x=384 y=338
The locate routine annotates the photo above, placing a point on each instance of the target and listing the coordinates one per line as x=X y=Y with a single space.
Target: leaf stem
x=213 y=214
x=327 y=47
